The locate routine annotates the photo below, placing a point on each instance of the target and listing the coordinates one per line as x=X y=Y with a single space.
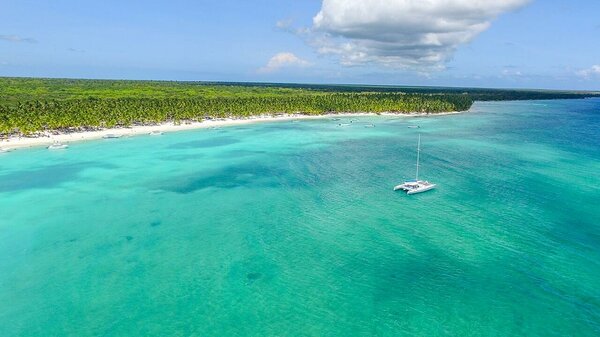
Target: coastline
x=19 y=142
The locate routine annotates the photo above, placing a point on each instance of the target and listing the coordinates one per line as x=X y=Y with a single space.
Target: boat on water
x=344 y=124
x=57 y=146
x=156 y=133
x=4 y=150
x=414 y=127
x=416 y=186
x=111 y=136
x=370 y=126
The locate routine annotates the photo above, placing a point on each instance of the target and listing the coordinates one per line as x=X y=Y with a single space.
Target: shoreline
x=19 y=142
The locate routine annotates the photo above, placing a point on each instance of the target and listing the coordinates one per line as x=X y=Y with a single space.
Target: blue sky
x=519 y=43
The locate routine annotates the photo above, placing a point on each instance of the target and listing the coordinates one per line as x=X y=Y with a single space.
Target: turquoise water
x=292 y=229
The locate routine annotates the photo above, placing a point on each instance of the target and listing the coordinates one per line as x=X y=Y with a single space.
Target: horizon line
x=267 y=83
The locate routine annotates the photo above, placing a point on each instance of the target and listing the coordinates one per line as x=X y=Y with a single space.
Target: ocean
x=293 y=229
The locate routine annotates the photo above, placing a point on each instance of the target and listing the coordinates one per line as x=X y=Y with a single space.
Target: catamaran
x=416 y=186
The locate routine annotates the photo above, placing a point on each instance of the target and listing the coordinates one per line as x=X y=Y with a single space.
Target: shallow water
x=292 y=229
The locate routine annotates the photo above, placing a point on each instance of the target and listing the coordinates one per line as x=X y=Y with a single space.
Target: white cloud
x=511 y=73
x=590 y=72
x=416 y=34
x=287 y=25
x=284 y=59
x=16 y=38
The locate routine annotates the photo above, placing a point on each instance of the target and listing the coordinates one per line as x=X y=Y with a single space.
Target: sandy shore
x=12 y=143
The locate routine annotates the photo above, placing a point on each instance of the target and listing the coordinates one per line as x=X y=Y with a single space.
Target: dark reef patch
x=253 y=276
x=45 y=177
x=183 y=157
x=230 y=177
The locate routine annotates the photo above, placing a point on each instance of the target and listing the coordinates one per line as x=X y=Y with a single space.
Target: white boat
x=156 y=133
x=416 y=186
x=111 y=136
x=370 y=126
x=413 y=187
x=344 y=124
x=57 y=146
x=4 y=150
x=413 y=126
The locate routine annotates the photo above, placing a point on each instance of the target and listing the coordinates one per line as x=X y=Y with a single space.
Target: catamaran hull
x=421 y=189
x=412 y=188
x=399 y=187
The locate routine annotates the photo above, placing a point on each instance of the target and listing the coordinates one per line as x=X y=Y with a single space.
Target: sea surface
x=292 y=229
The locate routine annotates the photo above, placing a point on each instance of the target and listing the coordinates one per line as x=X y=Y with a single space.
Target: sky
x=552 y=44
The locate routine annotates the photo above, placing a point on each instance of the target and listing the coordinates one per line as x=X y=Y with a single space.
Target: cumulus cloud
x=417 y=34
x=16 y=38
x=284 y=59
x=287 y=25
x=590 y=72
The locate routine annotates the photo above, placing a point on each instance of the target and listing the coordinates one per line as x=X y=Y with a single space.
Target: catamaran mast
x=418 y=153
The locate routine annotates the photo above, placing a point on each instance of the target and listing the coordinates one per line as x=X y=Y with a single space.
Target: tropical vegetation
x=30 y=105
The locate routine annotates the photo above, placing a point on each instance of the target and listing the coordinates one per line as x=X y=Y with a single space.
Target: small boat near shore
x=57 y=146
x=416 y=186
x=414 y=127
x=111 y=136
x=156 y=133
x=2 y=150
x=344 y=124
x=370 y=126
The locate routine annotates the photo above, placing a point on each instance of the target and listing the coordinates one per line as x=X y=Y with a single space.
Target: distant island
x=29 y=106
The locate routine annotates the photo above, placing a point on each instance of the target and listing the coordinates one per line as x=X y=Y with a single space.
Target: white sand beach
x=14 y=142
